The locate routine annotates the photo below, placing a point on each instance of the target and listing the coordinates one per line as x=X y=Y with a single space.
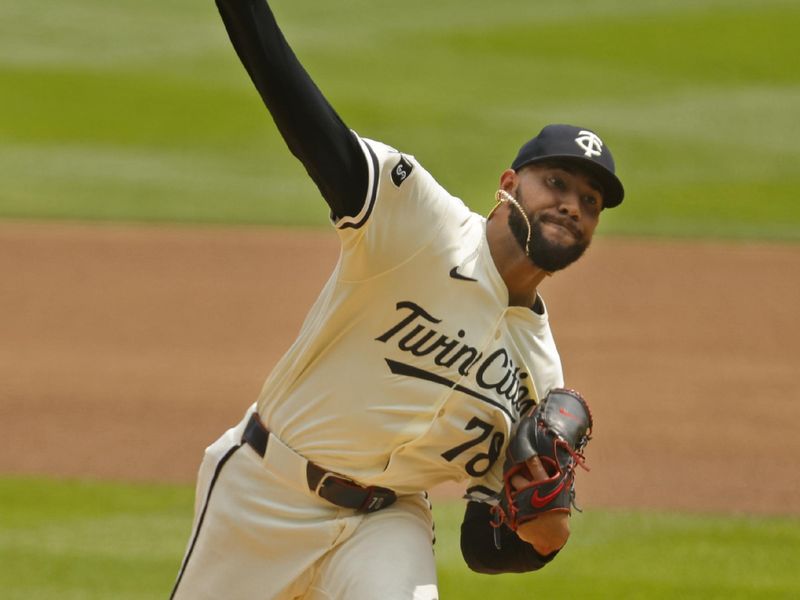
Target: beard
x=545 y=254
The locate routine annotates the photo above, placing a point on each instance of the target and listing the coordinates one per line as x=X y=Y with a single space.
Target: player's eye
x=593 y=202
x=556 y=182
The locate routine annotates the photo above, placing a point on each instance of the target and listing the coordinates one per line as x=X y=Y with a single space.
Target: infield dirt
x=126 y=350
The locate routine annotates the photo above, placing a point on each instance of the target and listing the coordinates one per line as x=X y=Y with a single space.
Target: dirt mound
x=127 y=349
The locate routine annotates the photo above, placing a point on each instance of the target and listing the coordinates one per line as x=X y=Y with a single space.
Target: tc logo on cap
x=589 y=143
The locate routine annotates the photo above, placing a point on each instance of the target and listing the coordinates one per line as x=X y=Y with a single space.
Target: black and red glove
x=556 y=430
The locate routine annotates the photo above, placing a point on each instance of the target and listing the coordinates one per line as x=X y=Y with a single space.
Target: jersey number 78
x=484 y=459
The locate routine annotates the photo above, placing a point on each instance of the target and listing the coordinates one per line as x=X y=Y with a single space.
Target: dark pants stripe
x=202 y=517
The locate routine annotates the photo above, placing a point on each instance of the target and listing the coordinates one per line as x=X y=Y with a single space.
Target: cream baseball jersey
x=410 y=368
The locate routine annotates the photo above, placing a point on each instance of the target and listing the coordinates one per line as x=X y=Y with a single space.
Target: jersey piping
x=372 y=190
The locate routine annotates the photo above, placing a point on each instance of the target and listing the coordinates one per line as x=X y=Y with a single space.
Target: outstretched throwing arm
x=312 y=129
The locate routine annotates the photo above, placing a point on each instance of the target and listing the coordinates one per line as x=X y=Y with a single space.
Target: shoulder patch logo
x=401 y=171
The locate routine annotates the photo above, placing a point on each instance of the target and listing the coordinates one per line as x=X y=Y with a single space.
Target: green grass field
x=139 y=110
x=87 y=541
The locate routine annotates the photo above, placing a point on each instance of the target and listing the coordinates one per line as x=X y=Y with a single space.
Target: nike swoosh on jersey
x=456 y=275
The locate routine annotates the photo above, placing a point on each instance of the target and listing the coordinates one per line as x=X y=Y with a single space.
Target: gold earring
x=503 y=196
x=499 y=197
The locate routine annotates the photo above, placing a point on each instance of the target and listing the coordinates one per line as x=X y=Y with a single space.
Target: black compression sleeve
x=481 y=554
x=310 y=126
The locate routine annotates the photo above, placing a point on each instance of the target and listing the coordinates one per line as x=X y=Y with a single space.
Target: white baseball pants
x=259 y=533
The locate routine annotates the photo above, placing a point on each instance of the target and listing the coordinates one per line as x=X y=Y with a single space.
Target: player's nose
x=569 y=204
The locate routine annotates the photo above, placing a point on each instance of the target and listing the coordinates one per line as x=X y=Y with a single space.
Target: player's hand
x=549 y=531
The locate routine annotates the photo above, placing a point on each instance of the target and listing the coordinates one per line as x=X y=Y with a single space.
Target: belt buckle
x=322 y=481
x=373 y=498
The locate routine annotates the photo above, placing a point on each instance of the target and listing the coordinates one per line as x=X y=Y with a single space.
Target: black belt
x=336 y=489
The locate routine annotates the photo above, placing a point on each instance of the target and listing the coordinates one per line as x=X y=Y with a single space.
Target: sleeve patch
x=401 y=171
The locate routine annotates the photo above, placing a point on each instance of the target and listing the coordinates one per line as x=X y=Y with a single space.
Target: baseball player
x=427 y=358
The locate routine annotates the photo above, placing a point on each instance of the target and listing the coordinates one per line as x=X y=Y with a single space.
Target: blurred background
x=159 y=245
x=140 y=110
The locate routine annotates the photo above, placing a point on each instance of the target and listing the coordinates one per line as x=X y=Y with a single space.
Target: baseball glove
x=556 y=430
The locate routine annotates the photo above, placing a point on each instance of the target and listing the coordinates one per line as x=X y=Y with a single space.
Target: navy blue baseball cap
x=578 y=145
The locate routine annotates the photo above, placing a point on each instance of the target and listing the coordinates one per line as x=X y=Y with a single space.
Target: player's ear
x=508 y=180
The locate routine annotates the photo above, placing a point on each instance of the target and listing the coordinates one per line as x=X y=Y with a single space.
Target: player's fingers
x=537 y=472
x=536 y=468
x=518 y=481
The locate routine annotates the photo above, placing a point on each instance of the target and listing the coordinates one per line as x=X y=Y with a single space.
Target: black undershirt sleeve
x=308 y=123
x=480 y=553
